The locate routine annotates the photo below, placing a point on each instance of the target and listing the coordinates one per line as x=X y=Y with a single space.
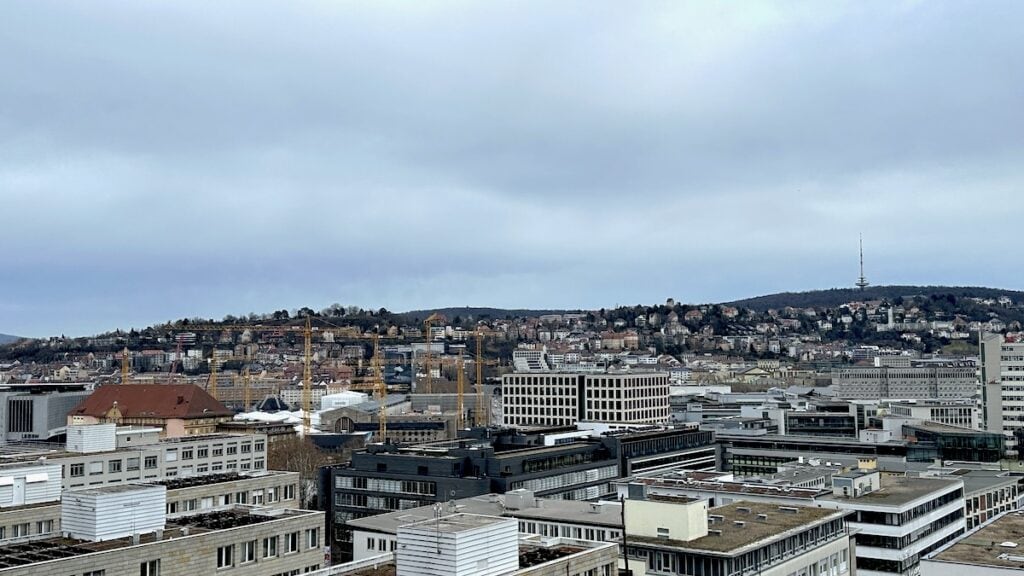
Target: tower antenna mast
x=862 y=282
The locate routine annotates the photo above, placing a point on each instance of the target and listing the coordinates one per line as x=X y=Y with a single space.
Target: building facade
x=564 y=398
x=949 y=382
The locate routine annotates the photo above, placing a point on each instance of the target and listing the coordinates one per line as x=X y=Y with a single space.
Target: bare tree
x=298 y=454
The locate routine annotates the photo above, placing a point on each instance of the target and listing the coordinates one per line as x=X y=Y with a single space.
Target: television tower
x=862 y=282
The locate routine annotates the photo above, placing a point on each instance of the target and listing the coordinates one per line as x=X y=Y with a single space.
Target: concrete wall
x=682 y=521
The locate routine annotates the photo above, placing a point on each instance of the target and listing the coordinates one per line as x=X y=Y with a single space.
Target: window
x=172 y=507
x=270 y=547
x=95 y=573
x=242 y=497
x=257 y=497
x=44 y=526
x=203 y=452
x=224 y=556
x=133 y=464
x=188 y=505
x=289 y=492
x=248 y=551
x=370 y=543
x=232 y=450
x=271 y=494
x=150 y=462
x=151 y=568
x=20 y=530
x=225 y=499
x=259 y=446
x=171 y=455
x=206 y=503
x=312 y=538
x=291 y=542
x=114 y=466
x=218 y=450
x=77 y=470
x=246 y=448
x=186 y=454
x=257 y=464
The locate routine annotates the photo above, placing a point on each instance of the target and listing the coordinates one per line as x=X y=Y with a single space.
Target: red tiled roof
x=152 y=401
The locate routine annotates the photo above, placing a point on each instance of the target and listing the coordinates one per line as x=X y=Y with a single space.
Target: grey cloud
x=164 y=160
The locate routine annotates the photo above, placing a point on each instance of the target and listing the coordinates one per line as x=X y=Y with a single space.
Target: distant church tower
x=862 y=282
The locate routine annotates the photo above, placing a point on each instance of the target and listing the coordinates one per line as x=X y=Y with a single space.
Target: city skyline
x=186 y=160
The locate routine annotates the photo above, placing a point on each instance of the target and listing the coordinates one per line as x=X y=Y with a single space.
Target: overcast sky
x=194 y=158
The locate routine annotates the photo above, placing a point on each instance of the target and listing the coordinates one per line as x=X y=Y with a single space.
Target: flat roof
x=754 y=530
x=568 y=511
x=899 y=490
x=732 y=487
x=38 y=551
x=982 y=547
x=982 y=480
x=459 y=522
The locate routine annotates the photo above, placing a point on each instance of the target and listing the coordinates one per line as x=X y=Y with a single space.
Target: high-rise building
x=563 y=398
x=1011 y=387
x=953 y=381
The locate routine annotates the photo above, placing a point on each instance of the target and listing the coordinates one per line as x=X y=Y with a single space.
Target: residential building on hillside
x=564 y=398
x=176 y=409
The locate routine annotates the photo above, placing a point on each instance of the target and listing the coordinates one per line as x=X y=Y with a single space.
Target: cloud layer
x=194 y=158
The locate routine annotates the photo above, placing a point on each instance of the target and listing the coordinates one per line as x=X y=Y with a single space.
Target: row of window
x=257 y=497
x=247 y=552
x=23 y=529
x=96 y=467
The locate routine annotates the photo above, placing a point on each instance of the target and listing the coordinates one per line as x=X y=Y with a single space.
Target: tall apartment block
x=563 y=399
x=1009 y=396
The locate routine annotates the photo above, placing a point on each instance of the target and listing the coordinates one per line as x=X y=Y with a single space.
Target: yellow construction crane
x=461 y=377
x=307 y=384
x=307 y=335
x=382 y=391
x=124 y=365
x=478 y=415
x=432 y=319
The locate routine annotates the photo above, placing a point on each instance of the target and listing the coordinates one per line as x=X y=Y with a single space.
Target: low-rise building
x=474 y=545
x=600 y=521
x=101 y=454
x=176 y=409
x=994 y=549
x=667 y=535
x=113 y=531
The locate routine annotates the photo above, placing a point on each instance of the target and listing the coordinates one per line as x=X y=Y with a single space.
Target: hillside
x=7 y=339
x=415 y=316
x=836 y=296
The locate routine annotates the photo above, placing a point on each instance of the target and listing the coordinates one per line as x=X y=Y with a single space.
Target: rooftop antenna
x=862 y=282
